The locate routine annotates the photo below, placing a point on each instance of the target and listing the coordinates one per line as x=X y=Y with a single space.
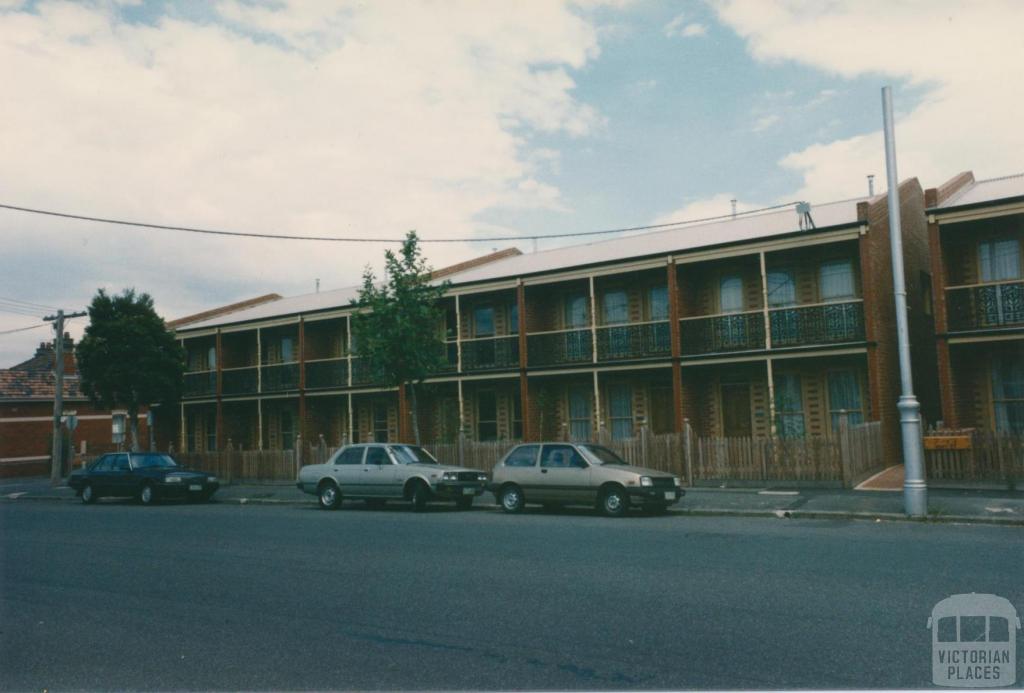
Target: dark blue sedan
x=147 y=476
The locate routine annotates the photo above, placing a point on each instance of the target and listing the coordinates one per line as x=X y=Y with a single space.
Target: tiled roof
x=744 y=227
x=35 y=385
x=989 y=190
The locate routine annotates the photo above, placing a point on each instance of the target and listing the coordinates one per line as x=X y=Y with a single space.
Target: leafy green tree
x=398 y=332
x=128 y=357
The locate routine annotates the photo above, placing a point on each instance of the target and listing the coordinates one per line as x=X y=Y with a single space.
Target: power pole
x=57 y=455
x=915 y=489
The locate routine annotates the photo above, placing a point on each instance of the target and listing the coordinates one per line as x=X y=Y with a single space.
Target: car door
x=100 y=475
x=122 y=482
x=565 y=475
x=347 y=469
x=378 y=472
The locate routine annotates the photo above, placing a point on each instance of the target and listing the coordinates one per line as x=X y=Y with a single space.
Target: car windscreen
x=602 y=455
x=153 y=461
x=411 y=454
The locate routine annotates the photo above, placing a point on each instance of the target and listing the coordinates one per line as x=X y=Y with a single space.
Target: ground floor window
x=380 y=423
x=844 y=394
x=579 y=413
x=1008 y=392
x=620 y=408
x=789 y=406
x=287 y=431
x=486 y=415
x=211 y=431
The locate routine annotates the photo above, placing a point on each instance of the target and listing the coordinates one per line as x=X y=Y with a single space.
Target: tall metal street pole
x=57 y=452
x=915 y=490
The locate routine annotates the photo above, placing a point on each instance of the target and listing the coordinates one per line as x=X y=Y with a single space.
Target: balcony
x=326 y=373
x=722 y=333
x=200 y=384
x=985 y=306
x=560 y=348
x=362 y=374
x=450 y=357
x=279 y=377
x=634 y=341
x=240 y=381
x=823 y=323
x=490 y=353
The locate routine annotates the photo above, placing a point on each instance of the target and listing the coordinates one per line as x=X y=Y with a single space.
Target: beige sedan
x=553 y=474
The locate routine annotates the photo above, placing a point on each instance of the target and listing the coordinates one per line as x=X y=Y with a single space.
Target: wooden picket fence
x=844 y=458
x=992 y=458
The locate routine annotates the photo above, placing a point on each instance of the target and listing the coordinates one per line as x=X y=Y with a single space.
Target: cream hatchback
x=553 y=474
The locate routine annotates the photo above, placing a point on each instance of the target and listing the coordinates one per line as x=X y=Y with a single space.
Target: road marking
x=1000 y=510
x=778 y=493
x=18 y=494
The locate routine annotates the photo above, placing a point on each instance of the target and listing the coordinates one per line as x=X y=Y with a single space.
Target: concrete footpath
x=944 y=505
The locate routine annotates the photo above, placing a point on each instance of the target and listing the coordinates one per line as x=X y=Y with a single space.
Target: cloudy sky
x=458 y=119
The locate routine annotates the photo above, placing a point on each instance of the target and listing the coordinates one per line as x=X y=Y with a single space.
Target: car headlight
x=646 y=481
x=450 y=476
x=213 y=479
x=173 y=480
x=677 y=481
x=481 y=477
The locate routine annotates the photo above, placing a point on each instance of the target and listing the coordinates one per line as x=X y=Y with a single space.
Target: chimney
x=871 y=185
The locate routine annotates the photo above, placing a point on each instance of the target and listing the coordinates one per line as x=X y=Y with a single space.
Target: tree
x=398 y=331
x=128 y=357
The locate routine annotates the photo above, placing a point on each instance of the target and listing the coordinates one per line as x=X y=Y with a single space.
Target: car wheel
x=88 y=495
x=614 y=502
x=329 y=496
x=147 y=494
x=420 y=496
x=511 y=499
x=464 y=503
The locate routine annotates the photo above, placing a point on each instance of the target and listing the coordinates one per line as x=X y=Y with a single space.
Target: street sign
x=71 y=420
x=947 y=442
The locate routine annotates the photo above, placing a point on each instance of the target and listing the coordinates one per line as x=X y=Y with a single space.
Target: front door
x=736 y=409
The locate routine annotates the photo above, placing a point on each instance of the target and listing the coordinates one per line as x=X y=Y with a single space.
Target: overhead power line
x=353 y=239
x=30 y=304
x=24 y=329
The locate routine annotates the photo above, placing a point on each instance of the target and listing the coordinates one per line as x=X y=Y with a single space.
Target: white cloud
x=765 y=122
x=681 y=26
x=968 y=57
x=718 y=205
x=304 y=117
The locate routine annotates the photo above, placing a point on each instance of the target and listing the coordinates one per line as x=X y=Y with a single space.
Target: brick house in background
x=759 y=324
x=26 y=414
x=976 y=232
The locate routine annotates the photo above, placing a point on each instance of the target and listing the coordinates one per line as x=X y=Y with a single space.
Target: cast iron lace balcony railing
x=722 y=333
x=278 y=377
x=490 y=353
x=326 y=373
x=560 y=347
x=985 y=306
x=240 y=381
x=634 y=341
x=199 y=384
x=362 y=374
x=823 y=323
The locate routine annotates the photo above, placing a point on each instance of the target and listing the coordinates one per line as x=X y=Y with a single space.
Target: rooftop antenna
x=871 y=185
x=318 y=284
x=803 y=211
x=733 y=203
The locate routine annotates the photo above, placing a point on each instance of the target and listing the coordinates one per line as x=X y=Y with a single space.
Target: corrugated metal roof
x=744 y=227
x=675 y=240
x=988 y=190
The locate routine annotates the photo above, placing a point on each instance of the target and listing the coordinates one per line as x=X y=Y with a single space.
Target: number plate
x=670 y=495
x=467 y=491
x=195 y=487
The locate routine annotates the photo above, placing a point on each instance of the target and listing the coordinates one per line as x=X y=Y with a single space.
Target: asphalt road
x=118 y=596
